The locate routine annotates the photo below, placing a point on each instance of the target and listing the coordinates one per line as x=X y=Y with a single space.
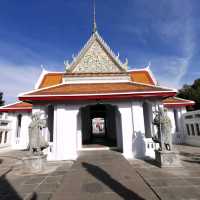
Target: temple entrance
x=98 y=126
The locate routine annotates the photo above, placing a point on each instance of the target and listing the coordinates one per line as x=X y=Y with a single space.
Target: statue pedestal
x=167 y=158
x=34 y=163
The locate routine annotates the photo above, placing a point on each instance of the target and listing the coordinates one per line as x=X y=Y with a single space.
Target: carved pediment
x=96 y=57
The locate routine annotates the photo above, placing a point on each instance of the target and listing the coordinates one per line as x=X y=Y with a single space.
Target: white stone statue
x=164 y=129
x=37 y=141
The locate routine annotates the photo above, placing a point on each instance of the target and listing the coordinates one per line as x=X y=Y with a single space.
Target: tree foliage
x=191 y=92
x=1 y=99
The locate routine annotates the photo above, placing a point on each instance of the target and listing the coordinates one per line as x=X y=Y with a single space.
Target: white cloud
x=16 y=79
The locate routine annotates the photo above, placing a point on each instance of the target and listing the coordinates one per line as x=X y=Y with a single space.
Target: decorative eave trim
x=101 y=96
x=12 y=110
x=178 y=104
x=96 y=35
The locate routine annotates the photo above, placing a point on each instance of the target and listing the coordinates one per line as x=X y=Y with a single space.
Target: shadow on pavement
x=114 y=185
x=190 y=157
x=7 y=192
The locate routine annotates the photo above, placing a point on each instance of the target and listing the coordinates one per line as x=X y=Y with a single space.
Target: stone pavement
x=103 y=175
x=180 y=183
x=14 y=185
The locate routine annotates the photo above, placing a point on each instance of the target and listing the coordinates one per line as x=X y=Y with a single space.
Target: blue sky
x=35 y=32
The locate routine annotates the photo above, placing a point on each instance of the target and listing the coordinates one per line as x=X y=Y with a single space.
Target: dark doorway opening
x=99 y=126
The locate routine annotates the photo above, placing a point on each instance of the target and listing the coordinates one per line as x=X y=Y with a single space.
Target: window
x=176 y=120
x=188 y=117
x=188 y=129
x=19 y=123
x=50 y=121
x=5 y=136
x=192 y=127
x=1 y=135
x=197 y=115
x=198 y=129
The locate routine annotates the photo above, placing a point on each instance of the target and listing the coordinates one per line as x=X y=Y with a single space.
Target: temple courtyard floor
x=102 y=175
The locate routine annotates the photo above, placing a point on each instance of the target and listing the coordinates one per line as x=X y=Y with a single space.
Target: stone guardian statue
x=164 y=129
x=37 y=142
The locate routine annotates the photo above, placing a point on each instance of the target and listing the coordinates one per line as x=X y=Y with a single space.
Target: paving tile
x=178 y=193
x=47 y=188
x=194 y=181
x=53 y=179
x=27 y=188
x=35 y=180
x=164 y=182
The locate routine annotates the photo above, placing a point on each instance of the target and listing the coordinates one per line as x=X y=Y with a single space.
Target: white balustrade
x=191 y=125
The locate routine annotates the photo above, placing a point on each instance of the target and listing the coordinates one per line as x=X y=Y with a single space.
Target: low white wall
x=20 y=142
x=191 y=124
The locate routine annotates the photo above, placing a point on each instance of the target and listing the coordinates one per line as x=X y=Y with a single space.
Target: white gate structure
x=4 y=132
x=191 y=124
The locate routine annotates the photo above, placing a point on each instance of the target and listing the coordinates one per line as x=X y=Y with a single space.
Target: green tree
x=191 y=92
x=1 y=99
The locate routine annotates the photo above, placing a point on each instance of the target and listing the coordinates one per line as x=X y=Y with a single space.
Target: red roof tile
x=77 y=90
x=17 y=107
x=175 y=101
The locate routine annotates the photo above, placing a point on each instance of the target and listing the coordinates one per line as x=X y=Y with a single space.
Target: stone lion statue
x=37 y=142
x=164 y=129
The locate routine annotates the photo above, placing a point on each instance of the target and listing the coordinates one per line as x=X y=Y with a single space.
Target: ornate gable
x=96 y=57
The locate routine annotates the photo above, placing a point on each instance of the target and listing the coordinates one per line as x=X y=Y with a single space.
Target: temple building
x=98 y=102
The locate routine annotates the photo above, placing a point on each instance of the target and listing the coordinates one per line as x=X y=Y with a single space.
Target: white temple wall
x=22 y=141
x=127 y=129
x=175 y=114
x=65 y=132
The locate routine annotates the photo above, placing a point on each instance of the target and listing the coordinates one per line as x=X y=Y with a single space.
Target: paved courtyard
x=102 y=175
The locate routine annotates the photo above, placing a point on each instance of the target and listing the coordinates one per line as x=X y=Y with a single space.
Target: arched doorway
x=98 y=126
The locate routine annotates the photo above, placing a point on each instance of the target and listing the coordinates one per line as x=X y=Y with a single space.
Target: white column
x=79 y=132
x=139 y=145
x=127 y=129
x=65 y=129
x=138 y=117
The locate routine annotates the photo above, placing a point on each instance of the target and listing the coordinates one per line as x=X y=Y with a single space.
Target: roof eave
x=97 y=97
x=13 y=110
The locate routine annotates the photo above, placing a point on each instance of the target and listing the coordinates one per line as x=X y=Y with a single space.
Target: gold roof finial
x=94 y=18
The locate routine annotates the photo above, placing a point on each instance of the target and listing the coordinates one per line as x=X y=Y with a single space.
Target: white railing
x=191 y=126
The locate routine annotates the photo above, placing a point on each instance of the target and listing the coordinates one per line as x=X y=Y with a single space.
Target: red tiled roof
x=17 y=107
x=175 y=101
x=92 y=91
x=51 y=79
x=140 y=76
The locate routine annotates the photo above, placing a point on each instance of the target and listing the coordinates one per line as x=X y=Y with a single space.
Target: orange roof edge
x=144 y=75
x=17 y=107
x=175 y=101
